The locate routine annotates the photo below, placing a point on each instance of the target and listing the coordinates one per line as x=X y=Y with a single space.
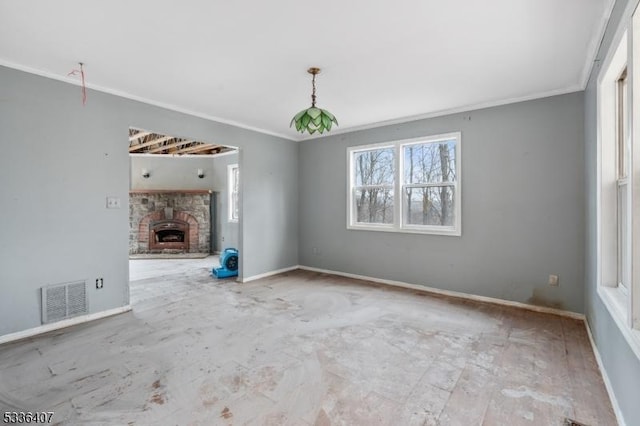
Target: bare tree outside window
x=373 y=190
x=429 y=183
x=410 y=185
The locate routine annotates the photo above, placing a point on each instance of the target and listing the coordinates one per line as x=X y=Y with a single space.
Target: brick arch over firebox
x=147 y=220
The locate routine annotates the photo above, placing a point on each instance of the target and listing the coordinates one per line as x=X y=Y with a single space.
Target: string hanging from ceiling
x=80 y=71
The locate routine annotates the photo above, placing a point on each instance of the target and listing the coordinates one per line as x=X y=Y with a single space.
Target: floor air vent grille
x=61 y=301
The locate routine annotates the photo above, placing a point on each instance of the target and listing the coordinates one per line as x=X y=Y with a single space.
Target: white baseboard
x=19 y=335
x=270 y=273
x=605 y=377
x=450 y=293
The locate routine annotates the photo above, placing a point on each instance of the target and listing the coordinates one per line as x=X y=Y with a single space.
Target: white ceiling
x=245 y=62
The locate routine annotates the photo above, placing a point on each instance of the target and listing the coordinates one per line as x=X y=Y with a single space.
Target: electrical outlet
x=553 y=280
x=113 y=202
x=99 y=283
x=316 y=251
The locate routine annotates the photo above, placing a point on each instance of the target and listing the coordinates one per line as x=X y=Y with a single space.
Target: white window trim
x=398 y=225
x=623 y=304
x=633 y=75
x=230 y=169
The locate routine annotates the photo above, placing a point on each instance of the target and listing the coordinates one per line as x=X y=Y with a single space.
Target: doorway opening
x=180 y=199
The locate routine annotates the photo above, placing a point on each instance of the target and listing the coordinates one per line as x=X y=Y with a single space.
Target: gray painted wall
x=60 y=160
x=522 y=207
x=621 y=364
x=168 y=172
x=227 y=231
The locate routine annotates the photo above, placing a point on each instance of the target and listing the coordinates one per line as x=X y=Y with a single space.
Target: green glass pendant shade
x=313 y=119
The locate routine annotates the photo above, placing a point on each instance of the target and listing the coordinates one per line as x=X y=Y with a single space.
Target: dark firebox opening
x=170 y=236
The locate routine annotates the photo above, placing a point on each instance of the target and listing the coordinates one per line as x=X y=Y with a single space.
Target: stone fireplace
x=169 y=221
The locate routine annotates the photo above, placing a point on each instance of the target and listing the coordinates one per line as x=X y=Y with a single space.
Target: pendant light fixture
x=313 y=119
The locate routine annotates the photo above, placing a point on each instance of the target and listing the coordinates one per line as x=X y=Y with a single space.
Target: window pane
x=430 y=206
x=375 y=167
x=374 y=205
x=622 y=120
x=233 y=175
x=623 y=235
x=234 y=206
x=430 y=162
x=236 y=176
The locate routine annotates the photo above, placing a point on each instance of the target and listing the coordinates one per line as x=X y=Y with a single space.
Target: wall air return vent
x=62 y=301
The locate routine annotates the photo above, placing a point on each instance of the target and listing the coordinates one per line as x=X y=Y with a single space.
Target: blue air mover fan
x=228 y=264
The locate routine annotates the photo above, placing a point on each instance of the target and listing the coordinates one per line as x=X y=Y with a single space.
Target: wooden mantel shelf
x=170 y=191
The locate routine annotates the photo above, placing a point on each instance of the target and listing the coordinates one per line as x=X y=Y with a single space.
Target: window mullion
x=428 y=185
x=399 y=195
x=384 y=186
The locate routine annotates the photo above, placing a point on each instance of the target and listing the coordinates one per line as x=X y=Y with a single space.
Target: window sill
x=447 y=231
x=615 y=301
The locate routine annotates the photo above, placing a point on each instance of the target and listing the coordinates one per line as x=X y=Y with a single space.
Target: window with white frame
x=233 y=178
x=406 y=186
x=612 y=169
x=618 y=164
x=622 y=182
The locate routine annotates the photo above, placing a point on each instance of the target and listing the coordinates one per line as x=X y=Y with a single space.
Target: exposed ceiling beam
x=197 y=148
x=134 y=148
x=169 y=146
x=138 y=136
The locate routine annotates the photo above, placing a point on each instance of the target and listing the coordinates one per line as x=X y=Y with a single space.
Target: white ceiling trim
x=336 y=131
x=467 y=108
x=505 y=51
x=594 y=45
x=76 y=82
x=593 y=48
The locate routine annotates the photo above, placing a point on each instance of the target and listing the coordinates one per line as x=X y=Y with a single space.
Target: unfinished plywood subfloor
x=305 y=348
